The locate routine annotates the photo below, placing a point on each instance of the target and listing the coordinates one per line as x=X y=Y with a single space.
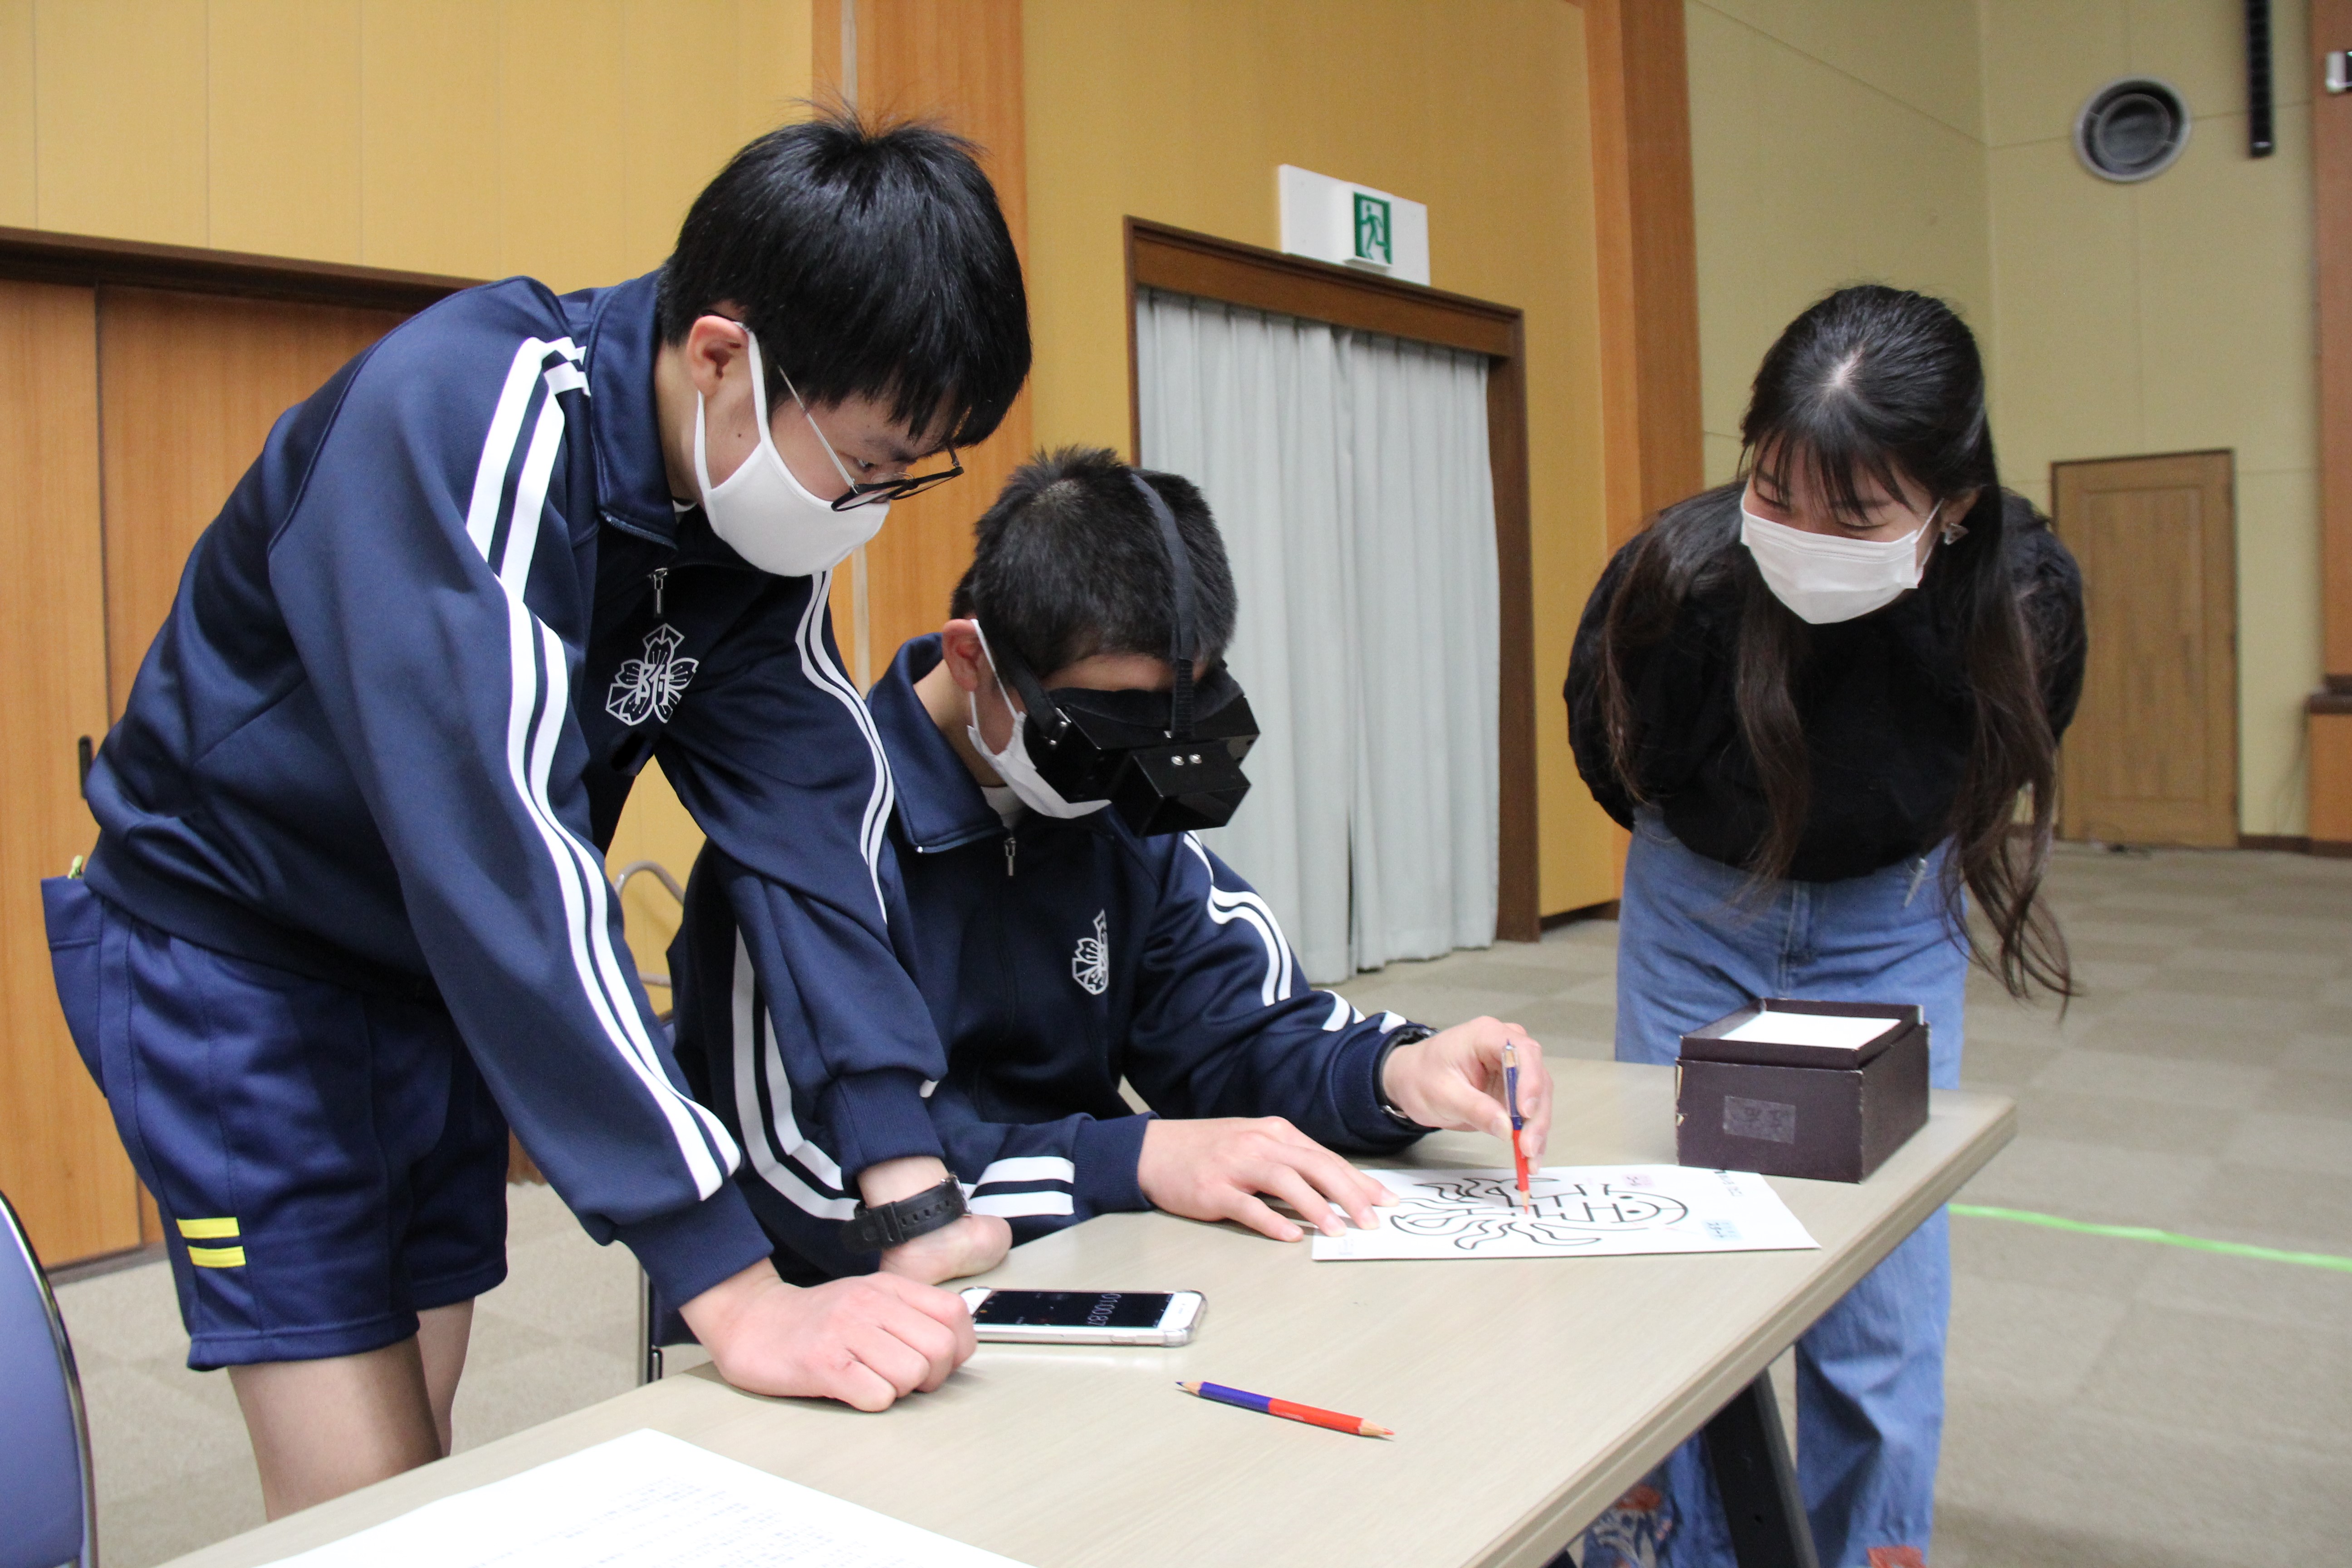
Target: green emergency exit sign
x=1375 y=240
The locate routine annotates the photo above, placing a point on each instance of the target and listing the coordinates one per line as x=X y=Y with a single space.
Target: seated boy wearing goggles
x=1052 y=747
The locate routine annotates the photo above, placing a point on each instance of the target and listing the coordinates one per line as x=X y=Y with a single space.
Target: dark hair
x=1870 y=383
x=1069 y=562
x=870 y=260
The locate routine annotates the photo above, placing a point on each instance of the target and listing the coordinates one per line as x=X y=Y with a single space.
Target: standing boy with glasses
x=347 y=917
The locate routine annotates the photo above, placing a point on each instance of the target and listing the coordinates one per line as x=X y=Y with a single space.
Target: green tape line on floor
x=2162 y=1237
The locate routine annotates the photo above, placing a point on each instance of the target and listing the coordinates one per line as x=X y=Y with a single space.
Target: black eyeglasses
x=887 y=491
x=875 y=491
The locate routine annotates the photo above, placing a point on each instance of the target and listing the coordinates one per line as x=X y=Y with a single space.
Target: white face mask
x=1013 y=765
x=767 y=516
x=1822 y=577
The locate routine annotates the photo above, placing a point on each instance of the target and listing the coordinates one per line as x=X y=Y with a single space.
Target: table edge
x=1535 y=1540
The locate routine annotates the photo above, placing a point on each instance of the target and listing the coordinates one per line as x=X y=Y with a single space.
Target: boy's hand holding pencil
x=1458 y=1081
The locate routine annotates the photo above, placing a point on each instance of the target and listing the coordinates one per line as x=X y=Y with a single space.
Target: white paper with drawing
x=1581 y=1211
x=643 y=1500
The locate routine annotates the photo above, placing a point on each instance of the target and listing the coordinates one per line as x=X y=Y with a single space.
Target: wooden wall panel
x=191 y=385
x=428 y=104
x=60 y=1161
x=19 y=116
x=2329 y=710
x=559 y=87
x=282 y=128
x=2331 y=174
x=2331 y=780
x=958 y=63
x=1648 y=258
x=119 y=95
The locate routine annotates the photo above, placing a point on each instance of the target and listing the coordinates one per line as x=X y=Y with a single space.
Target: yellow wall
x=1180 y=111
x=1832 y=141
x=1926 y=143
x=560 y=138
x=2170 y=315
x=477 y=138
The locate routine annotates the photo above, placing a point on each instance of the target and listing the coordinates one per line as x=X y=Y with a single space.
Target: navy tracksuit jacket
x=1056 y=958
x=412 y=671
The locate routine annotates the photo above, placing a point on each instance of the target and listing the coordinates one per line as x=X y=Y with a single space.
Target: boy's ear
x=714 y=351
x=960 y=645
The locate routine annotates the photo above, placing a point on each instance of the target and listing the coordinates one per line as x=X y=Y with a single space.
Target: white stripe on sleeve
x=822 y=673
x=757 y=1058
x=1015 y=1205
x=1029 y=1168
x=1225 y=907
x=539 y=699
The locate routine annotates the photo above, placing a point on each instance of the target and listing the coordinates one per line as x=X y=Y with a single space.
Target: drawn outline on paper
x=1474 y=1212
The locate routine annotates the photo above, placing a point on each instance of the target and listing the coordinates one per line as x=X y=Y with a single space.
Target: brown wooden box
x=1834 y=1113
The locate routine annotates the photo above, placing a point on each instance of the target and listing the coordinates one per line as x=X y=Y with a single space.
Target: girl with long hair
x=1826 y=699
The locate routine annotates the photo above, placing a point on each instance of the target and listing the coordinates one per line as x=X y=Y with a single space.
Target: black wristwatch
x=1402 y=1035
x=880 y=1229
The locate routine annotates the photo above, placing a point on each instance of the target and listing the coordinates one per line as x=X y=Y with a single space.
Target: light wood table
x=1527 y=1394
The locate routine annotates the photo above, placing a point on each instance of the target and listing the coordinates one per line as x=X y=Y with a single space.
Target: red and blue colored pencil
x=1519 y=1155
x=1286 y=1409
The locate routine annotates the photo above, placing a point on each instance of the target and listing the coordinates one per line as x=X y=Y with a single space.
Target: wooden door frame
x=1637 y=80
x=1181 y=261
x=2237 y=720
x=38 y=256
x=2331 y=27
x=2328 y=710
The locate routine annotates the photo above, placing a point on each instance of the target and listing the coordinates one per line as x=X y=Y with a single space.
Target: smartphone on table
x=1086 y=1317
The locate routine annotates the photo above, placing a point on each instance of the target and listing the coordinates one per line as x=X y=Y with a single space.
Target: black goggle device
x=1167 y=763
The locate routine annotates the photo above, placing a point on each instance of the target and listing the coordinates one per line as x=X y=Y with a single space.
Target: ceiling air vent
x=2132 y=128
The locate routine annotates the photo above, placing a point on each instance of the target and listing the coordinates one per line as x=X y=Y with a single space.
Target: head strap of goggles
x=1181 y=644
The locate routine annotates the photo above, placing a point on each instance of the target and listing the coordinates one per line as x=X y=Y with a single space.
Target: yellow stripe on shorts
x=217 y=1257
x=208 y=1229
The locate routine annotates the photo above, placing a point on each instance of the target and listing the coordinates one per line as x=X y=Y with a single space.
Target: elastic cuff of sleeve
x=1356 y=1079
x=687 y=1251
x=878 y=1116
x=1107 y=1154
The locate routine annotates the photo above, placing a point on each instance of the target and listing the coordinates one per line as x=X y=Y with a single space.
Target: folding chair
x=659 y=1328
x=656 y=1326
x=47 y=1506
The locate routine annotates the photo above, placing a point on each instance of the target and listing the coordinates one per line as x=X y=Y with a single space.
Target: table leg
x=648 y=1318
x=1760 y=1500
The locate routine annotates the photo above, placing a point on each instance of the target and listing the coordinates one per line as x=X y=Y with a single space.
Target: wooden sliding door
x=61 y=1162
x=137 y=384
x=191 y=385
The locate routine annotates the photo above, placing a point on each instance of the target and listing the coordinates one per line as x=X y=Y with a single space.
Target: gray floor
x=2113 y=1404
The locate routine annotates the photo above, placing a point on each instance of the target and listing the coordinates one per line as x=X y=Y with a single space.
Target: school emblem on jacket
x=1090 y=966
x=649 y=687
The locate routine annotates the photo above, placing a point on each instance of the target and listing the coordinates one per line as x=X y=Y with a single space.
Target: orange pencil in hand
x=1519 y=1155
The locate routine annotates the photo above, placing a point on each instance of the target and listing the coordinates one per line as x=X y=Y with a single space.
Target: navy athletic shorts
x=328 y=1162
